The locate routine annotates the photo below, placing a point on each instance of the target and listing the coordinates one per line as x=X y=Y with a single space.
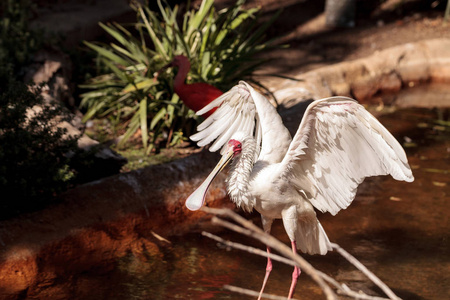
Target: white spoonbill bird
x=337 y=145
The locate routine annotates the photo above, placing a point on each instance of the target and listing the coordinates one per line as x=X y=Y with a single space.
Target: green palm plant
x=221 y=45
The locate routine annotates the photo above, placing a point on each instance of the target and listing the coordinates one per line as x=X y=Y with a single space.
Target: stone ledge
x=389 y=70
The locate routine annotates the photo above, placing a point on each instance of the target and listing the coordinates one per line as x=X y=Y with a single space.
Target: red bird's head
x=180 y=60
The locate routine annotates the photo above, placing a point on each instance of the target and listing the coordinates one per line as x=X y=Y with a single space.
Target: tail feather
x=311 y=238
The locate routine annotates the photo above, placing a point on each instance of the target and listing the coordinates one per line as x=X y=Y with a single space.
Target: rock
x=390 y=83
x=103 y=161
x=385 y=71
x=412 y=64
x=437 y=52
x=335 y=80
x=52 y=69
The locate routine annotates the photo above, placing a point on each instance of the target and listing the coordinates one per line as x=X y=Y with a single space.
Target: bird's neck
x=238 y=182
x=183 y=70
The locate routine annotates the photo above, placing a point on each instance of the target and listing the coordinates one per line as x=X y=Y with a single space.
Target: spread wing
x=236 y=112
x=243 y=110
x=337 y=145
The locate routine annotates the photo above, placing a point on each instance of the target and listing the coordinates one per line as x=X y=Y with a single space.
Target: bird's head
x=177 y=61
x=233 y=149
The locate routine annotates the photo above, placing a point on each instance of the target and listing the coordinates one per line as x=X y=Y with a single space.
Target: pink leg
x=268 y=270
x=295 y=274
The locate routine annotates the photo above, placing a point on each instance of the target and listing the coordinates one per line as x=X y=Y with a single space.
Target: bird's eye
x=237 y=148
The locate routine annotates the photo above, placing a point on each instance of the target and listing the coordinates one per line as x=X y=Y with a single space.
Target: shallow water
x=399 y=230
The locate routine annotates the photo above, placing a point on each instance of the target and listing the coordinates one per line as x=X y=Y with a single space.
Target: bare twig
x=160 y=237
x=366 y=271
x=291 y=258
x=252 y=293
x=257 y=233
x=249 y=249
x=344 y=289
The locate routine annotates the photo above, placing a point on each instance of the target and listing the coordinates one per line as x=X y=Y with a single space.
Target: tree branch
x=257 y=233
x=249 y=229
x=252 y=293
x=342 y=288
x=366 y=271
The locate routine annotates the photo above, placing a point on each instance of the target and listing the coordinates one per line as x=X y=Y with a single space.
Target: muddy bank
x=102 y=221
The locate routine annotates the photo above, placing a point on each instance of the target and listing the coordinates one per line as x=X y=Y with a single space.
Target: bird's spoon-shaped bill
x=197 y=198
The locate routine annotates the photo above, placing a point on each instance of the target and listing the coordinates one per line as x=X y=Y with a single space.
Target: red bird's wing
x=198 y=95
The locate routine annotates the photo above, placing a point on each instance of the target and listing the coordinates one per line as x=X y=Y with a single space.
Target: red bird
x=196 y=95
